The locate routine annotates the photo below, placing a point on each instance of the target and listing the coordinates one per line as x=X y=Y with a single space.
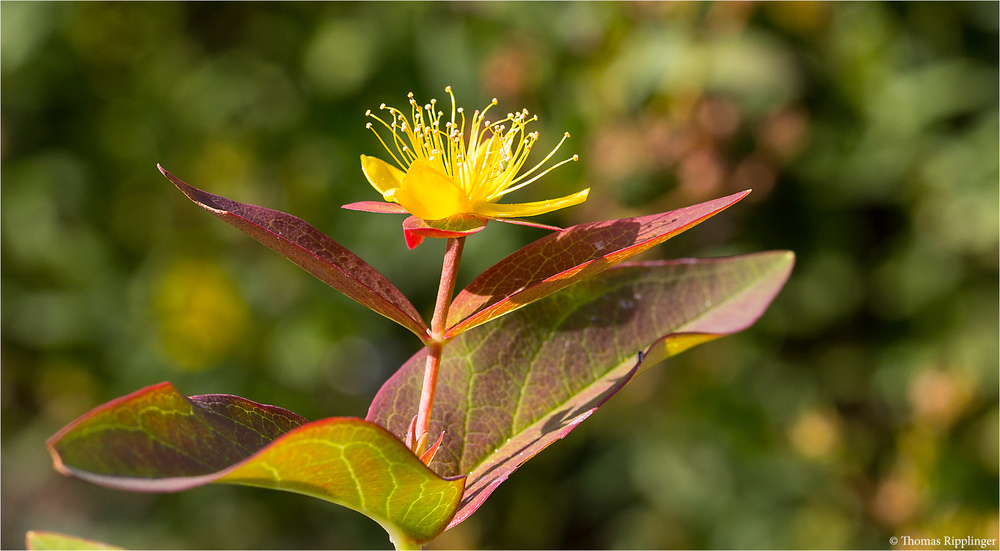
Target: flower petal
x=518 y=210
x=381 y=175
x=430 y=195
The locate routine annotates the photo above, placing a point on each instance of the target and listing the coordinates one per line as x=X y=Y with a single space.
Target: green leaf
x=38 y=540
x=558 y=260
x=509 y=389
x=315 y=252
x=157 y=440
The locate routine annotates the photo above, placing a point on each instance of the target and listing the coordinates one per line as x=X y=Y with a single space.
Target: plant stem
x=399 y=540
x=407 y=545
x=449 y=273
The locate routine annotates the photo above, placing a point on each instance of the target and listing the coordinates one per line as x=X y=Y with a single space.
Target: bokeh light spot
x=202 y=316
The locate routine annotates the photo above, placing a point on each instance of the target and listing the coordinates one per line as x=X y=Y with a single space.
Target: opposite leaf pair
x=572 y=324
x=535 y=271
x=508 y=389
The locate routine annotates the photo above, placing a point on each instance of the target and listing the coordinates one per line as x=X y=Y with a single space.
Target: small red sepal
x=411 y=434
x=428 y=455
x=461 y=225
x=380 y=207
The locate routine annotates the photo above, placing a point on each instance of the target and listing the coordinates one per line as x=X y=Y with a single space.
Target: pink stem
x=449 y=273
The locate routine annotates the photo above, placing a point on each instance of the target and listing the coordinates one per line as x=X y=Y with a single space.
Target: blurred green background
x=862 y=406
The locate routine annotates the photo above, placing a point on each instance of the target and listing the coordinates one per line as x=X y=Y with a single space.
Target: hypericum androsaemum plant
x=513 y=362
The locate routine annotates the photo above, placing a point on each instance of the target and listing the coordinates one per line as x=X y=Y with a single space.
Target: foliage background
x=862 y=406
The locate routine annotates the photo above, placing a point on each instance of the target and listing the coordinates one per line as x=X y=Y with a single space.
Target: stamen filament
x=537 y=176
x=484 y=164
x=543 y=161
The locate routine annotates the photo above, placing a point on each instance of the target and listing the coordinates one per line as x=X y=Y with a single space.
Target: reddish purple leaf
x=509 y=389
x=157 y=440
x=319 y=255
x=561 y=259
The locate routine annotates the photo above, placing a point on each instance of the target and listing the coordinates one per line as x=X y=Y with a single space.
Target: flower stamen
x=446 y=172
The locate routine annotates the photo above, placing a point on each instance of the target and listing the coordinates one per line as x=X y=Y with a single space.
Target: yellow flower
x=441 y=174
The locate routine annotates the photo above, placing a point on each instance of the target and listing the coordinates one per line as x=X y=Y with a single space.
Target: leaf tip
x=788 y=257
x=52 y=442
x=784 y=261
x=57 y=462
x=166 y=173
x=173 y=179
